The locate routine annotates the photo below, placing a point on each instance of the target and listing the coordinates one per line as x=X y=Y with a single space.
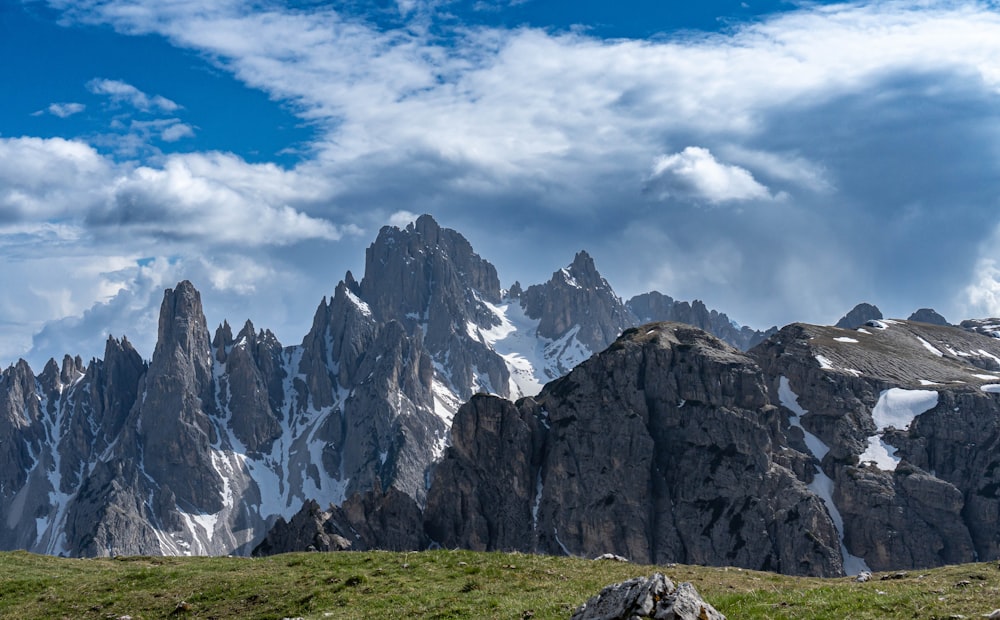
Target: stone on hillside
x=611 y=557
x=647 y=597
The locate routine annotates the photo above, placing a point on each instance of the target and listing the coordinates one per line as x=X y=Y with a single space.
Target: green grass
x=448 y=584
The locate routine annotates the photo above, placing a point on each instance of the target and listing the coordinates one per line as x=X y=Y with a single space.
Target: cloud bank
x=850 y=136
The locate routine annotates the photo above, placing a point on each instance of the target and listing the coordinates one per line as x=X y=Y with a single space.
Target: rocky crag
x=204 y=447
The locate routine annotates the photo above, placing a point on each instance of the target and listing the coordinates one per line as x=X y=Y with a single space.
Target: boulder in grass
x=647 y=597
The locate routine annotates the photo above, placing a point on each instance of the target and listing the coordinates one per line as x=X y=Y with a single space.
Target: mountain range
x=429 y=406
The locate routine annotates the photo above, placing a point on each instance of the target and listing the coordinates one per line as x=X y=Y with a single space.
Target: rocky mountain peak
x=173 y=417
x=222 y=341
x=584 y=271
x=655 y=306
x=408 y=269
x=859 y=315
x=182 y=324
x=576 y=298
x=928 y=315
x=430 y=280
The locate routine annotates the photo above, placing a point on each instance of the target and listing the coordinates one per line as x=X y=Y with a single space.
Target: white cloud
x=512 y=99
x=65 y=110
x=982 y=295
x=402 y=219
x=123 y=92
x=176 y=131
x=787 y=167
x=215 y=198
x=166 y=129
x=694 y=173
x=49 y=178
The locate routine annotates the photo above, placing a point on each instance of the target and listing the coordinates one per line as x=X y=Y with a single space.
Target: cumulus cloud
x=695 y=174
x=43 y=178
x=213 y=197
x=123 y=92
x=982 y=295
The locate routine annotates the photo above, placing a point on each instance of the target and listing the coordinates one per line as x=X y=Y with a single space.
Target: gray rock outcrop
x=655 y=596
x=374 y=519
x=305 y=531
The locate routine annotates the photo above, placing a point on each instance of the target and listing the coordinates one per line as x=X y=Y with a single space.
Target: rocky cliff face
x=901 y=417
x=660 y=449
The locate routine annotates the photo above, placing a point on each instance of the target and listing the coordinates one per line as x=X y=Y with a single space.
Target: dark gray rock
x=305 y=531
x=493 y=469
x=389 y=521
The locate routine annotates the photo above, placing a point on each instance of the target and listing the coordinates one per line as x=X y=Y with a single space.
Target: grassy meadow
x=450 y=584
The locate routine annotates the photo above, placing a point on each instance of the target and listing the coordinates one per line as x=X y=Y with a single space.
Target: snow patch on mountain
x=532 y=360
x=822 y=485
x=930 y=347
x=896 y=408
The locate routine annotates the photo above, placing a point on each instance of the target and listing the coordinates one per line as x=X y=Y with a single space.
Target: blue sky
x=781 y=161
